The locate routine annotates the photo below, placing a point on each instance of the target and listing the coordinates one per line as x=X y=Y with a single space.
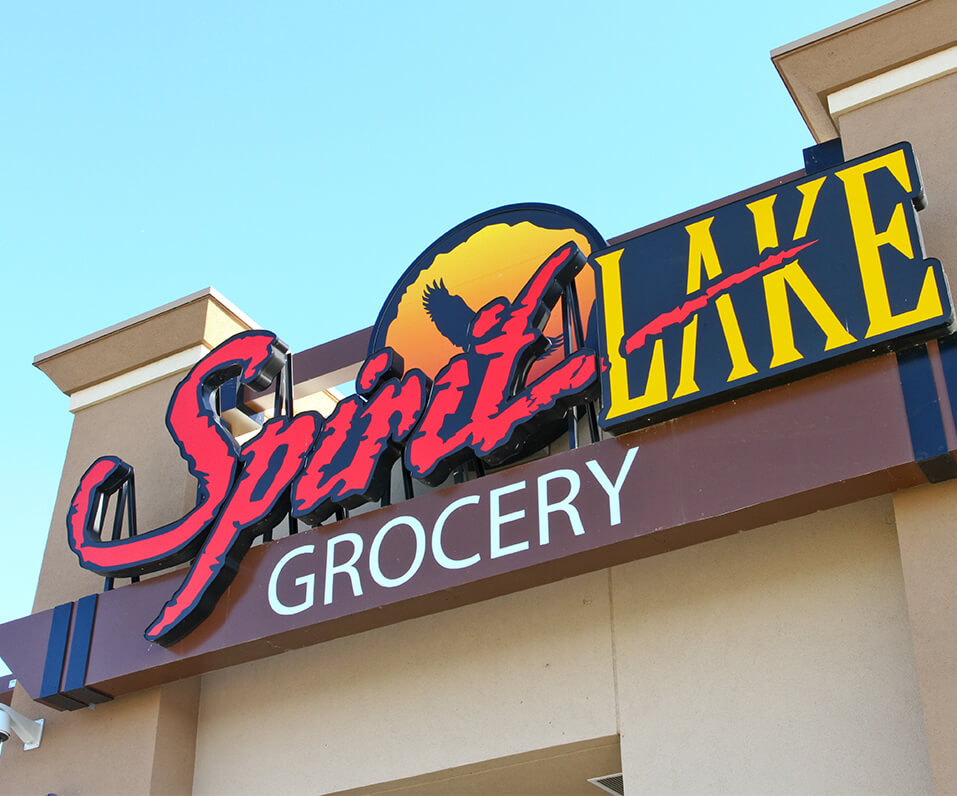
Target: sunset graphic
x=493 y=255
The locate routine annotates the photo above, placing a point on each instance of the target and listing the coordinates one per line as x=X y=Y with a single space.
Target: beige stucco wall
x=131 y=426
x=143 y=743
x=509 y=675
x=927 y=528
x=137 y=745
x=555 y=771
x=774 y=661
x=887 y=36
x=926 y=116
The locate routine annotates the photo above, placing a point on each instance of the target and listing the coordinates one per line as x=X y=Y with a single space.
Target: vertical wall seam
x=614 y=653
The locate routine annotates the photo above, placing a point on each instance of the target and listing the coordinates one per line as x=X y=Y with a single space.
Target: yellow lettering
x=656 y=389
x=868 y=241
x=779 y=313
x=689 y=345
x=701 y=251
x=809 y=192
x=621 y=403
x=740 y=364
x=765 y=228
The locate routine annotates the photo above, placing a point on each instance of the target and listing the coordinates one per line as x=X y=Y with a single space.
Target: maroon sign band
x=831 y=439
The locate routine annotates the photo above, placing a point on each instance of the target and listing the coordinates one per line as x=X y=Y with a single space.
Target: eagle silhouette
x=452 y=316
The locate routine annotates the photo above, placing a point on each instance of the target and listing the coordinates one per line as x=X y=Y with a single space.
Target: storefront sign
x=838 y=437
x=824 y=267
x=813 y=273
x=491 y=346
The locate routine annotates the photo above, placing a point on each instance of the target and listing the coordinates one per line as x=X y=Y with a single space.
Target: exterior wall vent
x=610 y=783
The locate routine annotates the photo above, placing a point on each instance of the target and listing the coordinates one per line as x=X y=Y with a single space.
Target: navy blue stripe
x=56 y=650
x=80 y=648
x=822 y=157
x=923 y=415
x=948 y=359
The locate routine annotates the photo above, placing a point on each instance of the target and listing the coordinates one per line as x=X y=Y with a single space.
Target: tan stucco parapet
x=193 y=323
x=893 y=35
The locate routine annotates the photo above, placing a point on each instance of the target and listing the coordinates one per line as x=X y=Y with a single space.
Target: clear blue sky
x=153 y=149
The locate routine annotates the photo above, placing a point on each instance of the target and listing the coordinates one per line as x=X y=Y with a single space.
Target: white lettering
x=309 y=581
x=349 y=567
x=377 y=575
x=498 y=520
x=613 y=491
x=438 y=553
x=565 y=504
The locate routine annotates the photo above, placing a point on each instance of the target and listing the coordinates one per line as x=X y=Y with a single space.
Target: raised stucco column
x=885 y=77
x=119 y=381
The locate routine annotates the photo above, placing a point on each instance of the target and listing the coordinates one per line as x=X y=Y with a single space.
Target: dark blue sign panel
x=818 y=271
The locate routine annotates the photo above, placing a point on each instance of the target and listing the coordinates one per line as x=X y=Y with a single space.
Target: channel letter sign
x=821 y=270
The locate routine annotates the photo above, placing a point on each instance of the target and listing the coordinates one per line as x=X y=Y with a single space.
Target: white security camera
x=28 y=730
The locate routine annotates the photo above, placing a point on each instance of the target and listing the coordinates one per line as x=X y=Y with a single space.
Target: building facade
x=785 y=624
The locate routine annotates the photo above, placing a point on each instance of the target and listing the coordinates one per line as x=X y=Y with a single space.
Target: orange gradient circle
x=488 y=257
